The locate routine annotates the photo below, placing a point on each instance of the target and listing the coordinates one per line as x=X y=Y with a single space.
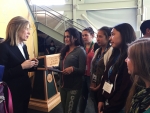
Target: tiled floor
x=58 y=109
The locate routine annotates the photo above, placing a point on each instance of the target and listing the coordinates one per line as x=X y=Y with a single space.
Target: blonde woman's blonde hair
x=139 y=54
x=14 y=26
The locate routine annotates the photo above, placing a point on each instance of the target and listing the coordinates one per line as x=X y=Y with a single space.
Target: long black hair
x=128 y=35
x=78 y=42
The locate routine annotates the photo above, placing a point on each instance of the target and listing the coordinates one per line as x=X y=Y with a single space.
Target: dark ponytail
x=90 y=30
x=106 y=31
x=81 y=41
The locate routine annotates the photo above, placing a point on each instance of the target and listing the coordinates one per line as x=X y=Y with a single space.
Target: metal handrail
x=65 y=17
x=29 y=8
x=56 y=16
x=47 y=15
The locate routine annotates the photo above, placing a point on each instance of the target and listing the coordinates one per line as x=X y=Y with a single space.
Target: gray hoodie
x=76 y=59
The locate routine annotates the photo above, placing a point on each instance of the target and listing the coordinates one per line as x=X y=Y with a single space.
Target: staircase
x=51 y=22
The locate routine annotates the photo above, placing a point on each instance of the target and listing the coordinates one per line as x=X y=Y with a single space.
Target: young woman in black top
x=116 y=82
x=14 y=56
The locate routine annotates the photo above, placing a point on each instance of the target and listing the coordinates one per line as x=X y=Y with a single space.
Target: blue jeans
x=84 y=95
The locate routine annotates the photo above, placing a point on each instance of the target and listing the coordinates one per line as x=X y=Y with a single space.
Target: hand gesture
x=68 y=70
x=94 y=87
x=100 y=107
x=36 y=61
x=27 y=64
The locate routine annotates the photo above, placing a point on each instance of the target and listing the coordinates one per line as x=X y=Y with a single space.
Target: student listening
x=116 y=81
x=72 y=64
x=138 y=63
x=87 y=36
x=97 y=64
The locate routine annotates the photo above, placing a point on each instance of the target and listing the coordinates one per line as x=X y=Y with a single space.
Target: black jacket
x=16 y=78
x=121 y=86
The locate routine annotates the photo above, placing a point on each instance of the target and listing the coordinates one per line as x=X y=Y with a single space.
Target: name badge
x=107 y=87
x=94 y=78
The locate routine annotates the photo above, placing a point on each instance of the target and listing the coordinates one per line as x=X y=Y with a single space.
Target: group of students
x=116 y=75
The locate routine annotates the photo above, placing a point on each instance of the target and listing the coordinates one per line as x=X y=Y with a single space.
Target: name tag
x=94 y=78
x=107 y=87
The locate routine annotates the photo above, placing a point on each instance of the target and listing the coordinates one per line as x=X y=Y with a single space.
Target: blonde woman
x=14 y=56
x=138 y=63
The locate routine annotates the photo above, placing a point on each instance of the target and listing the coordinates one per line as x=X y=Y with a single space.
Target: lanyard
x=111 y=68
x=110 y=71
x=99 y=56
x=90 y=48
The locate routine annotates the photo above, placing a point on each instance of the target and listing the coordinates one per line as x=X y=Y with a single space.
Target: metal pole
x=45 y=19
x=35 y=12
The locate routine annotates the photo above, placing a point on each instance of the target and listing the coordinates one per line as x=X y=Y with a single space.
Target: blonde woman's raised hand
x=27 y=64
x=36 y=61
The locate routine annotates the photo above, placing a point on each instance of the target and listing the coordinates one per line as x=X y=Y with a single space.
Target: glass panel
x=113 y=17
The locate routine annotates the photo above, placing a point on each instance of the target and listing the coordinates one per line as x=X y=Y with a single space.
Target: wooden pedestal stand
x=45 y=95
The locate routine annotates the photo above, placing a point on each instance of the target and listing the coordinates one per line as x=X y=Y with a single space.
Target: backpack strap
x=5 y=107
x=10 y=104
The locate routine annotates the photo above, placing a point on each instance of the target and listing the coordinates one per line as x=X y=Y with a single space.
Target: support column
x=74 y=11
x=139 y=17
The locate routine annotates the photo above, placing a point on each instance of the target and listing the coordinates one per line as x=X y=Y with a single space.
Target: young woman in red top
x=87 y=36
